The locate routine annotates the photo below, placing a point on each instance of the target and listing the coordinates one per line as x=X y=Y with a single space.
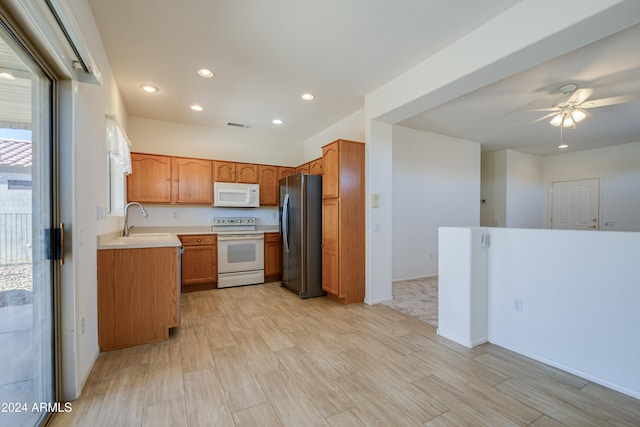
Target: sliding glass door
x=27 y=327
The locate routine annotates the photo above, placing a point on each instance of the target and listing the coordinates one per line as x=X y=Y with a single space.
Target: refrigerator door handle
x=285 y=222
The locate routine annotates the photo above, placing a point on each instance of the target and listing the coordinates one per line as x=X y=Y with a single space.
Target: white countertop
x=137 y=240
x=155 y=237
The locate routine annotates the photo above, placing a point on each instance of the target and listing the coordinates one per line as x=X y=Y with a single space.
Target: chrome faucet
x=125 y=230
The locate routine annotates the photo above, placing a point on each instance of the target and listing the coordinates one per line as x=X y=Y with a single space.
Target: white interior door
x=575 y=204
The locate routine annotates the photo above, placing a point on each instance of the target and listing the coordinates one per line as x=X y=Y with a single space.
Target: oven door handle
x=241 y=237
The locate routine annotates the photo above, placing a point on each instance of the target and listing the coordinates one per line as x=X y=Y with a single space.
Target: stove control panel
x=231 y=221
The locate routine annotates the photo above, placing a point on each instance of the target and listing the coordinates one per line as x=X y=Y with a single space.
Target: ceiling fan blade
x=556 y=109
x=546 y=116
x=579 y=96
x=603 y=102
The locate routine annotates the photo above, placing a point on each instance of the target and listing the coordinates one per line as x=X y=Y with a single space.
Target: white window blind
x=118 y=145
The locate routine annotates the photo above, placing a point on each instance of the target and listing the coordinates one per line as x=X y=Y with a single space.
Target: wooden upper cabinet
x=224 y=171
x=284 y=171
x=331 y=171
x=192 y=181
x=269 y=191
x=164 y=179
x=247 y=173
x=235 y=172
x=303 y=168
x=315 y=167
x=150 y=180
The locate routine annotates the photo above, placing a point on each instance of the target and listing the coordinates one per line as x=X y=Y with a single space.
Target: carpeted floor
x=417 y=298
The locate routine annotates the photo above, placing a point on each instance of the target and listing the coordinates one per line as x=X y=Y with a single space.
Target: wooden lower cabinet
x=272 y=257
x=330 y=249
x=138 y=296
x=199 y=262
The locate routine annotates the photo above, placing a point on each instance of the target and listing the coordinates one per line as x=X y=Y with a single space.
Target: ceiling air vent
x=238 y=125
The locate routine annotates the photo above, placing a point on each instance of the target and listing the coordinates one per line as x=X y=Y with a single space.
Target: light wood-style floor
x=259 y=356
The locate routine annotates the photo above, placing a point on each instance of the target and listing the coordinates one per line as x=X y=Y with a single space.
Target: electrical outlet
x=517 y=305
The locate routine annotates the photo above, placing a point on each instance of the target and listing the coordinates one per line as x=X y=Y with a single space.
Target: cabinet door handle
x=199 y=240
x=168 y=179
x=176 y=179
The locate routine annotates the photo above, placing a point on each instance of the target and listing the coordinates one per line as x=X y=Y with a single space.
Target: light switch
x=375 y=200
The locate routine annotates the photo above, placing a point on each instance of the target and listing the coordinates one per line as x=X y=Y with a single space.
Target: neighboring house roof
x=15 y=153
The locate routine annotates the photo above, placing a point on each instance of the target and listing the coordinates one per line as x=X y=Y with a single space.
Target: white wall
x=238 y=145
x=618 y=168
x=493 y=189
x=84 y=200
x=512 y=190
x=351 y=128
x=436 y=182
x=198 y=216
x=525 y=192
x=579 y=292
x=378 y=168
x=463 y=285
x=472 y=62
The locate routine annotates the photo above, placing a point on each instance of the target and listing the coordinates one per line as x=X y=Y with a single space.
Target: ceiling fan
x=572 y=107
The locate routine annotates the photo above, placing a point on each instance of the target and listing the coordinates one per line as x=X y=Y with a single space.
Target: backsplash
x=178 y=215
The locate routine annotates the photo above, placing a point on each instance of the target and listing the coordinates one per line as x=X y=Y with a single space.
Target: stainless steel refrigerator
x=301 y=228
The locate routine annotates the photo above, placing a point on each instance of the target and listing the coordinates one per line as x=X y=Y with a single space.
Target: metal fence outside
x=15 y=238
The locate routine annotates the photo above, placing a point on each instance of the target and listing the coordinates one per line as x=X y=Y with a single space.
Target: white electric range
x=240 y=251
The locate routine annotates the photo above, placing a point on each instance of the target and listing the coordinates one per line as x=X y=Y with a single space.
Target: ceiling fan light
x=578 y=115
x=568 y=121
x=557 y=120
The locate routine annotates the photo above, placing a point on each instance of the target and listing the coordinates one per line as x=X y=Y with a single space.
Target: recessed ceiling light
x=149 y=88
x=7 y=76
x=276 y=121
x=205 y=73
x=563 y=146
x=307 y=96
x=196 y=107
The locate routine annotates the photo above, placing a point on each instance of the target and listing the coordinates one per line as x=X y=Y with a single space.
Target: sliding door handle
x=60 y=244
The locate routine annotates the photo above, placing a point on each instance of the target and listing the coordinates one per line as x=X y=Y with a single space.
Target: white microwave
x=234 y=195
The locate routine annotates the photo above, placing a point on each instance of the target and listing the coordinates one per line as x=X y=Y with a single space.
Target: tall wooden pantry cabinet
x=343 y=224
